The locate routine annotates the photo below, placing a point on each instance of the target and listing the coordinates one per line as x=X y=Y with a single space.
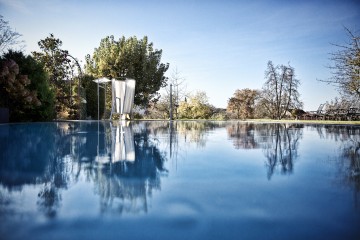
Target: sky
x=216 y=46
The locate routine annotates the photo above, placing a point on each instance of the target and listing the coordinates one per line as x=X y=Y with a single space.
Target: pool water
x=179 y=180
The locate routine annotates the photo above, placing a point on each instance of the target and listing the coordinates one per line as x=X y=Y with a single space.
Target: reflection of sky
x=212 y=190
x=76 y=197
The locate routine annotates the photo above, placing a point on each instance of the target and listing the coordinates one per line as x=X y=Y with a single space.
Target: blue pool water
x=185 y=180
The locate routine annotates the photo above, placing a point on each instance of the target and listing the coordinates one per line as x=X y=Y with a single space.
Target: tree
x=196 y=107
x=14 y=91
x=92 y=98
x=243 y=103
x=131 y=58
x=28 y=66
x=61 y=67
x=158 y=110
x=280 y=91
x=178 y=90
x=346 y=66
x=8 y=37
x=161 y=107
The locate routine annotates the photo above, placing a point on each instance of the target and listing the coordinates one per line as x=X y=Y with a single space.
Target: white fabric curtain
x=123 y=93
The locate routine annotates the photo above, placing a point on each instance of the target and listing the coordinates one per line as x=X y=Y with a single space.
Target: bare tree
x=280 y=91
x=8 y=37
x=345 y=66
x=178 y=90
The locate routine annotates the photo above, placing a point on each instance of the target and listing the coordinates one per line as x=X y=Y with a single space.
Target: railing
x=342 y=111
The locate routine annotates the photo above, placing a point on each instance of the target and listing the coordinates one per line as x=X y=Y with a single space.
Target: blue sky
x=217 y=46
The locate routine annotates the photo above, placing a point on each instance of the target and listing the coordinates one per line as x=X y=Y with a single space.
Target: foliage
x=346 y=66
x=220 y=114
x=243 y=103
x=196 y=107
x=14 y=90
x=91 y=97
x=280 y=91
x=39 y=82
x=158 y=110
x=8 y=37
x=131 y=58
x=61 y=67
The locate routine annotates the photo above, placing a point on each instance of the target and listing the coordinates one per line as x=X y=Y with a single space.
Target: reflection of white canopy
x=123 y=147
x=120 y=147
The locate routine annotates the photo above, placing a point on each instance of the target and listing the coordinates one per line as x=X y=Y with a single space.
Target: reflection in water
x=281 y=147
x=123 y=163
x=348 y=160
x=99 y=179
x=125 y=182
x=279 y=142
x=242 y=135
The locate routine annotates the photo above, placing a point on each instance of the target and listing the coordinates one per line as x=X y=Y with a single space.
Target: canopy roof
x=102 y=80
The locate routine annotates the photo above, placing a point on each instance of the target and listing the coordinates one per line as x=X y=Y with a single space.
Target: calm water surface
x=185 y=180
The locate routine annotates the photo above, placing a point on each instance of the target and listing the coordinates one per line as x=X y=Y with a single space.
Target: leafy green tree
x=91 y=97
x=14 y=91
x=280 y=91
x=196 y=107
x=131 y=58
x=61 y=67
x=28 y=66
x=243 y=103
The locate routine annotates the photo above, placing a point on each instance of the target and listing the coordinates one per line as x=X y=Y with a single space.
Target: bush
x=38 y=85
x=91 y=98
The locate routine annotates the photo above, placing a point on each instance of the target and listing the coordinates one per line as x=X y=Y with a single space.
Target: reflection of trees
x=242 y=135
x=28 y=156
x=196 y=131
x=20 y=148
x=348 y=160
x=279 y=142
x=54 y=155
x=280 y=147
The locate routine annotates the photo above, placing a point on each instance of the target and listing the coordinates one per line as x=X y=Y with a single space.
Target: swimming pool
x=180 y=180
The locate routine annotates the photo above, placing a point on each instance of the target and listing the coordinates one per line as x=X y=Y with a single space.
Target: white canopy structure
x=122 y=92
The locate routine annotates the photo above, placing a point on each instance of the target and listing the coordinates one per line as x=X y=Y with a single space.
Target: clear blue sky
x=217 y=46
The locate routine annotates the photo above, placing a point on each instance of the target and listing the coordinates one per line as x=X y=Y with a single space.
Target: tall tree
x=8 y=37
x=130 y=58
x=178 y=89
x=178 y=92
x=345 y=66
x=243 y=103
x=62 y=68
x=280 y=91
